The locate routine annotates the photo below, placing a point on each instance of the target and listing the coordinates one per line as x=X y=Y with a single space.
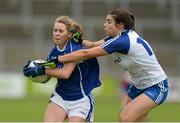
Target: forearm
x=73 y=57
x=90 y=44
x=62 y=73
x=82 y=55
x=56 y=73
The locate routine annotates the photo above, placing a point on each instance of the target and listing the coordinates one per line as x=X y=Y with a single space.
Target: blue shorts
x=157 y=92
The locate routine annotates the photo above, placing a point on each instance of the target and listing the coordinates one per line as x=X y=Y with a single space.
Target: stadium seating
x=30 y=22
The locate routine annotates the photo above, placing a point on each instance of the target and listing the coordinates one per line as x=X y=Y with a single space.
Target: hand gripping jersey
x=134 y=54
x=83 y=79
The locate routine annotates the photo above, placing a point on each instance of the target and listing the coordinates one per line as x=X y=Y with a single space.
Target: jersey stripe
x=81 y=86
x=109 y=41
x=88 y=119
x=159 y=98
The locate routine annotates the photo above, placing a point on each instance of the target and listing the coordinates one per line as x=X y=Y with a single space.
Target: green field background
x=31 y=108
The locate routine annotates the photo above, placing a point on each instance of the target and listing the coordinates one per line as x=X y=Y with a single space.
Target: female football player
x=149 y=85
x=72 y=97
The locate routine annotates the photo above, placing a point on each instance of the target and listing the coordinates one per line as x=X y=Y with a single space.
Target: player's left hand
x=27 y=64
x=33 y=71
x=77 y=36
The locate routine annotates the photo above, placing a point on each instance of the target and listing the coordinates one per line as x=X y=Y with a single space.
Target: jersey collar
x=61 y=50
x=124 y=32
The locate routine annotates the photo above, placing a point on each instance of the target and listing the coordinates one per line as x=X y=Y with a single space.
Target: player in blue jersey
x=149 y=85
x=72 y=97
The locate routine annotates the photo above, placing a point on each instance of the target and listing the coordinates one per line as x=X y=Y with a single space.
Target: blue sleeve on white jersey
x=107 y=38
x=119 y=44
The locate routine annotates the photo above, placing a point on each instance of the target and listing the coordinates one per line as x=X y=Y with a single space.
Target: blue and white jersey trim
x=109 y=41
x=91 y=99
x=80 y=73
x=120 y=44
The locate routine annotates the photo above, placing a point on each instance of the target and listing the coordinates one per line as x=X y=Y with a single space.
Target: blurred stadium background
x=25 y=33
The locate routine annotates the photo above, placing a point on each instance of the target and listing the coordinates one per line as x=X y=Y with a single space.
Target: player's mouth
x=57 y=39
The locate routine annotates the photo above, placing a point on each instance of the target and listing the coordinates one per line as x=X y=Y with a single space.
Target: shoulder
x=52 y=52
x=120 y=43
x=132 y=34
x=75 y=46
x=54 y=49
x=120 y=38
x=107 y=38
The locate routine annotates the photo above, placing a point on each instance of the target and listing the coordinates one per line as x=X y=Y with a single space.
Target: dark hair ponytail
x=133 y=20
x=123 y=17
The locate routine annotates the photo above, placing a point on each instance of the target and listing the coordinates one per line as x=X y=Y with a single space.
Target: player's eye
x=61 y=31
x=54 y=30
x=109 y=21
x=58 y=30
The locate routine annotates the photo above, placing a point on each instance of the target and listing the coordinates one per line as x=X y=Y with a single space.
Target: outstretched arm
x=82 y=55
x=90 y=44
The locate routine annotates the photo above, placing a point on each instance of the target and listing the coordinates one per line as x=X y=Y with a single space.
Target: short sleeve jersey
x=134 y=54
x=83 y=79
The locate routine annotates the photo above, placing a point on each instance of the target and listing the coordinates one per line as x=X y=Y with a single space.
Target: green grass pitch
x=31 y=109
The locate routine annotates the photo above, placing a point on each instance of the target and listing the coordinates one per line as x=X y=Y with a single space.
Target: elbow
x=66 y=77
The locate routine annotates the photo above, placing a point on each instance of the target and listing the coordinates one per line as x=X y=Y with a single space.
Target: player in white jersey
x=149 y=85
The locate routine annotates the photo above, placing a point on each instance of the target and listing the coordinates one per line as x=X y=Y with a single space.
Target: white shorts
x=83 y=108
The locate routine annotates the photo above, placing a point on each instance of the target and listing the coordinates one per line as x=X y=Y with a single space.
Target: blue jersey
x=134 y=54
x=83 y=79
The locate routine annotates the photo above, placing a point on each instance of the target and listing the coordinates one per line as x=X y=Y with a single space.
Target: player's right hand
x=33 y=71
x=26 y=66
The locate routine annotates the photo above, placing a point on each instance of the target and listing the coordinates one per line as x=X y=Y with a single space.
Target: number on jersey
x=147 y=48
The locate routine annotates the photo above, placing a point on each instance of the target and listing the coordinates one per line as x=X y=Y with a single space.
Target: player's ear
x=120 y=25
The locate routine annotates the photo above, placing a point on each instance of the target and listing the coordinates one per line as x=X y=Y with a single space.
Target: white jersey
x=134 y=54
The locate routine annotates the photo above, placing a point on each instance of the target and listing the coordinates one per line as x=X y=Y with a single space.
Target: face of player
x=60 y=34
x=111 y=28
